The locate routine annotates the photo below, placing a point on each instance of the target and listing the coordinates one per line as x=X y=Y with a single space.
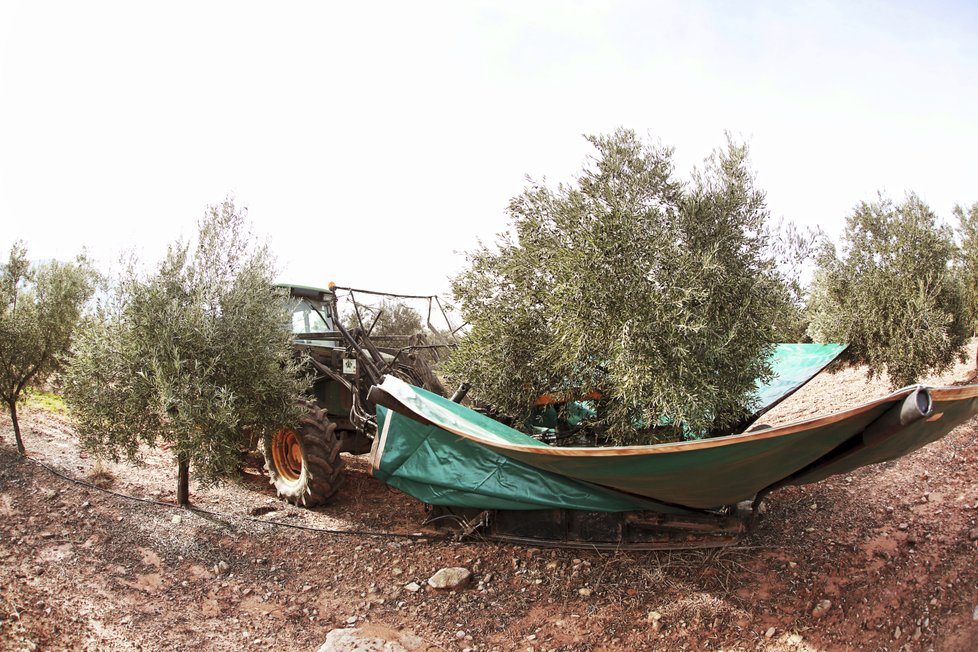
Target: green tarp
x=793 y=366
x=440 y=468
x=445 y=454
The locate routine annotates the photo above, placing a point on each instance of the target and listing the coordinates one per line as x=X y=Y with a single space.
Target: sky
x=373 y=143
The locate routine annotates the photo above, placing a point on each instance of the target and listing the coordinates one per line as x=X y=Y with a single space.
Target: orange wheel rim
x=286 y=454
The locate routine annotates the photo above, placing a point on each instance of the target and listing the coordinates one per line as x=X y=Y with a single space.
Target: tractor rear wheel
x=304 y=464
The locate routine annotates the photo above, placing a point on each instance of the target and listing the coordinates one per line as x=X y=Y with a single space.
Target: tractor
x=304 y=463
x=347 y=360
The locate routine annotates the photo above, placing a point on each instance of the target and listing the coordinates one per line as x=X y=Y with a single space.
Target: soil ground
x=883 y=558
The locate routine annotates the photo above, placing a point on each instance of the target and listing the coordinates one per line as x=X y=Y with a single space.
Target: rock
x=654 y=618
x=897 y=633
x=413 y=587
x=449 y=579
x=222 y=567
x=821 y=608
x=353 y=640
x=460 y=634
x=351 y=620
x=903 y=526
x=770 y=632
x=176 y=520
x=795 y=639
x=585 y=592
x=974 y=614
x=973 y=534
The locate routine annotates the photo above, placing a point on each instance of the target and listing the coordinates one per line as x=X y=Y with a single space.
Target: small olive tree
x=391 y=318
x=662 y=296
x=196 y=355
x=968 y=261
x=40 y=309
x=891 y=293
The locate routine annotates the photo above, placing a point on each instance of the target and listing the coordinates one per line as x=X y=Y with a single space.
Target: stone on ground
x=449 y=579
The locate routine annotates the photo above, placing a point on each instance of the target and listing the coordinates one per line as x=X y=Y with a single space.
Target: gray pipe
x=915 y=407
x=460 y=393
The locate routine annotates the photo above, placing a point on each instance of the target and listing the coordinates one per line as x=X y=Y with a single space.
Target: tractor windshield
x=309 y=318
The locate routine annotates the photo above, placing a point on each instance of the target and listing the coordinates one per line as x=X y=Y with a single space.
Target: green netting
x=793 y=365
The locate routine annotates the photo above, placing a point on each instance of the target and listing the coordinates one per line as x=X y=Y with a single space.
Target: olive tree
x=660 y=295
x=196 y=355
x=40 y=309
x=891 y=293
x=393 y=317
x=968 y=261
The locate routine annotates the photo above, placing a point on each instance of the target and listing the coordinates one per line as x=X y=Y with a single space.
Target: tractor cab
x=313 y=318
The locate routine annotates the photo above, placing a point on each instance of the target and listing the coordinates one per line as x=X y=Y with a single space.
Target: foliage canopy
x=393 y=317
x=40 y=309
x=194 y=355
x=968 y=269
x=661 y=295
x=891 y=294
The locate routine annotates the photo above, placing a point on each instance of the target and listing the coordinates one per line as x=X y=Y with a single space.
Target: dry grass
x=100 y=475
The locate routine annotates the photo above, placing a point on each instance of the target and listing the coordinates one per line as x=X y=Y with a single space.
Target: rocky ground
x=884 y=558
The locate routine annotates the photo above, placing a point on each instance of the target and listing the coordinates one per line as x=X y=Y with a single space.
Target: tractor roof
x=306 y=291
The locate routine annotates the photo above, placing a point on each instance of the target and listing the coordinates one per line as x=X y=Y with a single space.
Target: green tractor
x=305 y=464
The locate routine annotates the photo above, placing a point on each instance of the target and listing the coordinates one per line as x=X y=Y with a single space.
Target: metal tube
x=915 y=407
x=460 y=393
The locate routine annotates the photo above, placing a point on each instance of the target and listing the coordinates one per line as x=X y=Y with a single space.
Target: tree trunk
x=13 y=418
x=183 y=479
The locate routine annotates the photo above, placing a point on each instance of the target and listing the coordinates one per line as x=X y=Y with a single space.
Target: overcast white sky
x=373 y=141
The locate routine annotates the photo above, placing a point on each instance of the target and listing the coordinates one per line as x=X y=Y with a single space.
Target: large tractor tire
x=305 y=464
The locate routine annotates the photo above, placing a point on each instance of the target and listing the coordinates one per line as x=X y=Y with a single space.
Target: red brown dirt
x=888 y=547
